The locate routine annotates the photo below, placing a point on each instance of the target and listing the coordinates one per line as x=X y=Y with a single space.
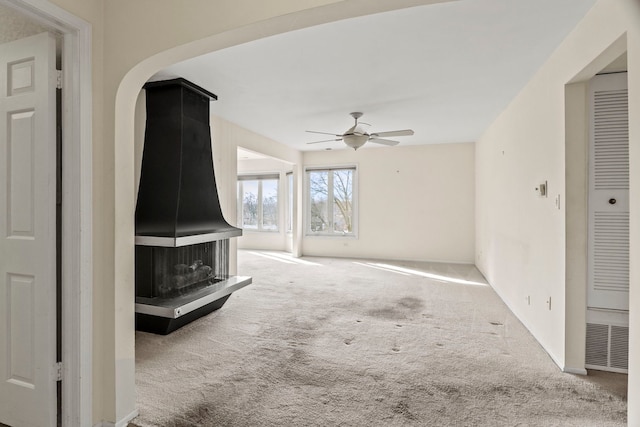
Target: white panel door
x=609 y=193
x=28 y=232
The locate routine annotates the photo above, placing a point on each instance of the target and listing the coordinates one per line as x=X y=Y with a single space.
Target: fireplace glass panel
x=179 y=271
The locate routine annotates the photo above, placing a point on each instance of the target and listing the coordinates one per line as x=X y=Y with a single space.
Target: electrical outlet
x=549 y=303
x=558 y=202
x=528 y=299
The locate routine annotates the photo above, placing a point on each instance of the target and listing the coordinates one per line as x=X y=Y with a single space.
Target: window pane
x=343 y=201
x=250 y=204
x=270 y=204
x=318 y=197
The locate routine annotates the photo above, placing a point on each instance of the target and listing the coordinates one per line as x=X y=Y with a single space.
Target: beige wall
x=522 y=241
x=14 y=25
x=414 y=203
x=232 y=136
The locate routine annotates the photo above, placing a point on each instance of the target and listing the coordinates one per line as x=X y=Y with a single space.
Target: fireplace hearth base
x=165 y=315
x=164 y=325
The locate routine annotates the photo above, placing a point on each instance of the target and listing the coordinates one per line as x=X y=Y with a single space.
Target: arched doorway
x=128 y=91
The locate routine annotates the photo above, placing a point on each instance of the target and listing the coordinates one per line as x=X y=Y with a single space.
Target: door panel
x=609 y=193
x=20 y=340
x=20 y=143
x=28 y=232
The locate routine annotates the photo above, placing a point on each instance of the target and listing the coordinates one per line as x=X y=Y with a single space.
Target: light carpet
x=339 y=342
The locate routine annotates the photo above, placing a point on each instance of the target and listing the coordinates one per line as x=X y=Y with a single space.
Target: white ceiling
x=445 y=70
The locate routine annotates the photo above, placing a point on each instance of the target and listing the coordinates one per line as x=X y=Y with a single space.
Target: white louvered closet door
x=609 y=193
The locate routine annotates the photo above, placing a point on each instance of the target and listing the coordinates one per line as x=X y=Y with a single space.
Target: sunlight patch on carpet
x=283 y=257
x=413 y=272
x=370 y=265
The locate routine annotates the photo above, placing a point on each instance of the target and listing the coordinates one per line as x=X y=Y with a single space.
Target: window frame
x=330 y=204
x=260 y=214
x=289 y=202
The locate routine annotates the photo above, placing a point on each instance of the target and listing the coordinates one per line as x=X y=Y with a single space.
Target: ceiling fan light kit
x=355 y=137
x=355 y=141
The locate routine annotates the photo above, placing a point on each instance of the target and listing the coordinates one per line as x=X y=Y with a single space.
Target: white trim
x=77 y=275
x=605 y=316
x=574 y=371
x=122 y=423
x=260 y=178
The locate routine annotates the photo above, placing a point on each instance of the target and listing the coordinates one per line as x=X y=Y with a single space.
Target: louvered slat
x=597 y=345
x=607 y=347
x=619 y=350
x=611 y=140
x=611 y=251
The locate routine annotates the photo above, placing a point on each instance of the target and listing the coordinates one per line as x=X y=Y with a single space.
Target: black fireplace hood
x=178 y=201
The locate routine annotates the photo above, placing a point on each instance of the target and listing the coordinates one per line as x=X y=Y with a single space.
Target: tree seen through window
x=258 y=203
x=331 y=201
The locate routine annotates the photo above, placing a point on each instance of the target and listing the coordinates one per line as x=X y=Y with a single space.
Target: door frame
x=576 y=205
x=77 y=271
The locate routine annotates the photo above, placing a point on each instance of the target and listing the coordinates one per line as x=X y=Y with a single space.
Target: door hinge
x=58 y=79
x=59 y=371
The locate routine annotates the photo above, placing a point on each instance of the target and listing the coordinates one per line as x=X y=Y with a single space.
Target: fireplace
x=182 y=239
x=172 y=272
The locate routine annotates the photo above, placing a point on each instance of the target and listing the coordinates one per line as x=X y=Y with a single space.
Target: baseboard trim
x=506 y=302
x=559 y=364
x=551 y=355
x=609 y=369
x=575 y=371
x=122 y=423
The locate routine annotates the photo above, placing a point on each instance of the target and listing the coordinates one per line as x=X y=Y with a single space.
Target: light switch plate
x=541 y=189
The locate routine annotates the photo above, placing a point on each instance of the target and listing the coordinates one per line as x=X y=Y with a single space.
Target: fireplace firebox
x=182 y=238
x=173 y=272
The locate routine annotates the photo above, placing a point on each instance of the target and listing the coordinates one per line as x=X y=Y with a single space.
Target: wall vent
x=607 y=347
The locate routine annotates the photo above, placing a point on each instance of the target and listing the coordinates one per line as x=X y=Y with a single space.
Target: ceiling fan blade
x=405 y=132
x=384 y=141
x=322 y=133
x=325 y=140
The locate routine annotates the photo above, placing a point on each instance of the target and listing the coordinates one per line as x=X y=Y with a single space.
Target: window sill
x=333 y=236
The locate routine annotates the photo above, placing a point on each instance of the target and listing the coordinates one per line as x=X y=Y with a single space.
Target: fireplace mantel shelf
x=173 y=308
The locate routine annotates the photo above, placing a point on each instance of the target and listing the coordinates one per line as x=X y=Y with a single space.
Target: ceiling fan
x=355 y=137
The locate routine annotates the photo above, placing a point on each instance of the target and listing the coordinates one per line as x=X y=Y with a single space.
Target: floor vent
x=607 y=347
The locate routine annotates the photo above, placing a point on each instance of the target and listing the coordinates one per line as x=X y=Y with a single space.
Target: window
x=331 y=208
x=258 y=202
x=289 y=202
